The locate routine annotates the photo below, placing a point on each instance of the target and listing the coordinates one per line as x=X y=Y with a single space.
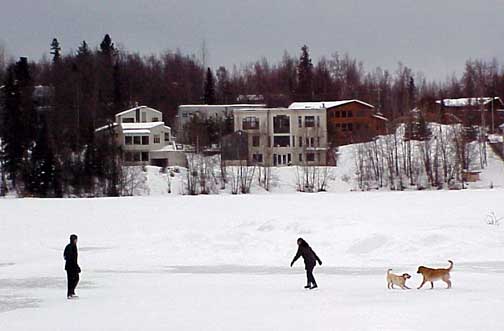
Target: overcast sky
x=432 y=36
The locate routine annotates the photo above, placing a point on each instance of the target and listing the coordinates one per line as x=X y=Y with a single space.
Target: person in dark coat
x=71 y=266
x=310 y=260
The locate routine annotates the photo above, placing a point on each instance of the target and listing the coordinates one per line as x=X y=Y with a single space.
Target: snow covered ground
x=222 y=262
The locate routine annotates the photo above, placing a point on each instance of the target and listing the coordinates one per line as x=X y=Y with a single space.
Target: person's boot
x=308 y=285
x=314 y=286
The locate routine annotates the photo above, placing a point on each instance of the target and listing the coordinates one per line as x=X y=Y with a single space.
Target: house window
x=349 y=113
x=145 y=140
x=300 y=157
x=281 y=141
x=136 y=140
x=318 y=121
x=343 y=127
x=157 y=139
x=312 y=142
x=309 y=121
x=144 y=117
x=300 y=121
x=184 y=114
x=343 y=113
x=166 y=136
x=293 y=141
x=250 y=123
x=289 y=158
x=338 y=114
x=145 y=156
x=300 y=141
x=128 y=140
x=307 y=142
x=310 y=157
x=318 y=141
x=128 y=157
x=155 y=119
x=281 y=124
x=137 y=157
x=258 y=158
x=350 y=126
x=256 y=141
x=128 y=120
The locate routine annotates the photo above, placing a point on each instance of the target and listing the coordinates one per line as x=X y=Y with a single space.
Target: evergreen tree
x=83 y=50
x=209 y=89
x=305 y=76
x=411 y=93
x=43 y=166
x=56 y=50
x=18 y=126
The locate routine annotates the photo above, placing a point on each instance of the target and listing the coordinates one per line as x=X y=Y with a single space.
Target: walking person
x=310 y=260
x=71 y=266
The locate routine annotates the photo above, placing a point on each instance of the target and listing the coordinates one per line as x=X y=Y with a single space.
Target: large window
x=145 y=140
x=257 y=158
x=128 y=120
x=281 y=124
x=309 y=121
x=145 y=156
x=137 y=140
x=166 y=136
x=128 y=140
x=310 y=157
x=155 y=119
x=250 y=123
x=300 y=121
x=281 y=141
x=157 y=139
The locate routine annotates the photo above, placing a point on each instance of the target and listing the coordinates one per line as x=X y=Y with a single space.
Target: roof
x=325 y=104
x=135 y=108
x=465 y=102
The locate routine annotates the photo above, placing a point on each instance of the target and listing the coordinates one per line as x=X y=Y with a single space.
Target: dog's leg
x=448 y=282
x=432 y=285
x=388 y=286
x=392 y=285
x=406 y=287
x=423 y=282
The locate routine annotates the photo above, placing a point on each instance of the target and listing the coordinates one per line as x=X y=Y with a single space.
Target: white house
x=145 y=139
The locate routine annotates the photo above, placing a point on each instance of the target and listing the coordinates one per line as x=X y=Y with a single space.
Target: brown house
x=349 y=121
x=468 y=111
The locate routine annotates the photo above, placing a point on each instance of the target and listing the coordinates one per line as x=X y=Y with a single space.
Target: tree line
x=49 y=146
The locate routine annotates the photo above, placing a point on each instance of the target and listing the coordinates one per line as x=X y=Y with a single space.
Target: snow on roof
x=465 y=102
x=379 y=117
x=137 y=131
x=325 y=104
x=101 y=128
x=140 y=126
x=135 y=108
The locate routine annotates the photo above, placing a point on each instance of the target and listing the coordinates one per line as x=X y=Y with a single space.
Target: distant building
x=186 y=112
x=283 y=136
x=144 y=138
x=348 y=121
x=468 y=111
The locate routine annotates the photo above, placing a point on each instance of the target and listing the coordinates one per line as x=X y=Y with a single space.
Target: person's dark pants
x=309 y=275
x=73 y=280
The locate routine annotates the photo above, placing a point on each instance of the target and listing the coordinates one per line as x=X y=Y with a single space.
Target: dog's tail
x=451 y=265
x=388 y=271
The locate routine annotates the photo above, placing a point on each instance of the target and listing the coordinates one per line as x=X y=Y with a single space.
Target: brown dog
x=399 y=280
x=431 y=275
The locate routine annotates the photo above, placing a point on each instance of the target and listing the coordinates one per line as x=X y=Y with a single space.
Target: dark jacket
x=71 y=255
x=309 y=256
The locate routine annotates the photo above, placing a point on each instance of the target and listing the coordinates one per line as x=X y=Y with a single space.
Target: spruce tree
x=56 y=50
x=305 y=76
x=209 y=88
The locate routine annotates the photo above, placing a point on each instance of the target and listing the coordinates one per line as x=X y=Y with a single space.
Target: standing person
x=310 y=259
x=71 y=266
